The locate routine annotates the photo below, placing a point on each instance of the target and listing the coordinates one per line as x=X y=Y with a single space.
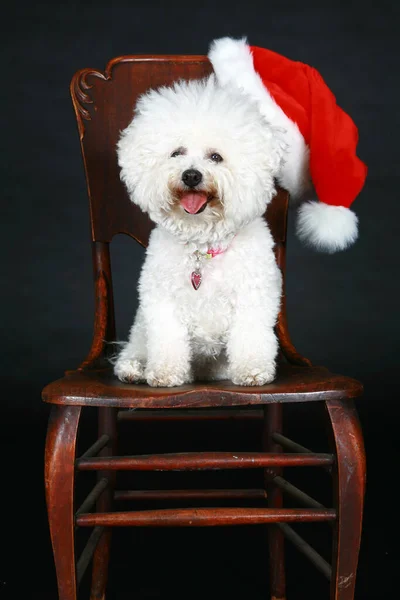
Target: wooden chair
x=103 y=105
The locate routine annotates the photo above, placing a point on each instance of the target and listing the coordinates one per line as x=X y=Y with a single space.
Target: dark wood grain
x=205 y=517
x=184 y=495
x=87 y=553
x=107 y=421
x=349 y=480
x=97 y=446
x=305 y=548
x=93 y=496
x=293 y=384
x=293 y=491
x=273 y=424
x=240 y=414
x=59 y=481
x=104 y=318
x=104 y=104
x=282 y=330
x=194 y=461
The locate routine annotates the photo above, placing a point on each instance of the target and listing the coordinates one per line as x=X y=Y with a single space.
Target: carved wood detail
x=79 y=92
x=79 y=86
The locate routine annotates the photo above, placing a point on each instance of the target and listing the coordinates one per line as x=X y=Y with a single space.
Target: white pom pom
x=325 y=227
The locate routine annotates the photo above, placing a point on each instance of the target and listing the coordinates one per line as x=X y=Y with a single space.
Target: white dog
x=200 y=159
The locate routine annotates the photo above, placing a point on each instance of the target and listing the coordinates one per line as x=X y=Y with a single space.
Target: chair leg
x=101 y=557
x=273 y=423
x=59 y=480
x=349 y=482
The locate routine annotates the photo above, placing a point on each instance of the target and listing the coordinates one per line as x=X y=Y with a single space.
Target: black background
x=342 y=308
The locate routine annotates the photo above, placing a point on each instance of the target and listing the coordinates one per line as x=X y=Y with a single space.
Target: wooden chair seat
x=293 y=384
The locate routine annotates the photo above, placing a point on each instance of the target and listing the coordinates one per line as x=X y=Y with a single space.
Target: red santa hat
x=320 y=137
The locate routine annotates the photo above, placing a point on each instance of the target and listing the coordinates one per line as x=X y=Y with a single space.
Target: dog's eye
x=215 y=157
x=178 y=152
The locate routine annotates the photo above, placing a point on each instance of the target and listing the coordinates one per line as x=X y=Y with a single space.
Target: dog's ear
x=132 y=162
x=275 y=146
x=271 y=138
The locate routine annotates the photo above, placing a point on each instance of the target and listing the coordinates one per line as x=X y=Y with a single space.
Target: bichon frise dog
x=200 y=159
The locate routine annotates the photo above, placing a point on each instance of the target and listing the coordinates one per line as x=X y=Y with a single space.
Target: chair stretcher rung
x=249 y=494
x=293 y=491
x=203 y=517
x=190 y=415
x=289 y=444
x=316 y=559
x=193 y=461
x=96 y=447
x=87 y=552
x=93 y=496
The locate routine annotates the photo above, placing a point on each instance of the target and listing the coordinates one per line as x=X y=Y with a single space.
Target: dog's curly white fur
x=225 y=329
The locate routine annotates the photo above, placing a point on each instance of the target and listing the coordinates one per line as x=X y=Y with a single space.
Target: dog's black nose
x=191 y=177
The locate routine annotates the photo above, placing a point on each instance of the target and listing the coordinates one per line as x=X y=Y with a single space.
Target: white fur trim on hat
x=325 y=227
x=233 y=64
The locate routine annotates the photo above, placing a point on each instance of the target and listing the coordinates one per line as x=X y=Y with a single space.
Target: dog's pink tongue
x=193 y=201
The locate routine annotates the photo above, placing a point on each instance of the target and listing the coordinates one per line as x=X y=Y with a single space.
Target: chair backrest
x=104 y=104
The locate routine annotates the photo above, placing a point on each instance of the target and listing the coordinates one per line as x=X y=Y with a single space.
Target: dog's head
x=200 y=159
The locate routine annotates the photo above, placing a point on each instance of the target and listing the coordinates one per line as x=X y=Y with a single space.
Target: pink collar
x=212 y=252
x=196 y=276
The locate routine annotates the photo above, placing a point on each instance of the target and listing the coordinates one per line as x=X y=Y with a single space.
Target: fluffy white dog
x=200 y=159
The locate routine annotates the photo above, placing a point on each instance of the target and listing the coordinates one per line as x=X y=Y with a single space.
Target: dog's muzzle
x=192 y=200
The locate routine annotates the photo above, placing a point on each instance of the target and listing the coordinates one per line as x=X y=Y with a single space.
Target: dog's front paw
x=129 y=371
x=167 y=376
x=253 y=375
